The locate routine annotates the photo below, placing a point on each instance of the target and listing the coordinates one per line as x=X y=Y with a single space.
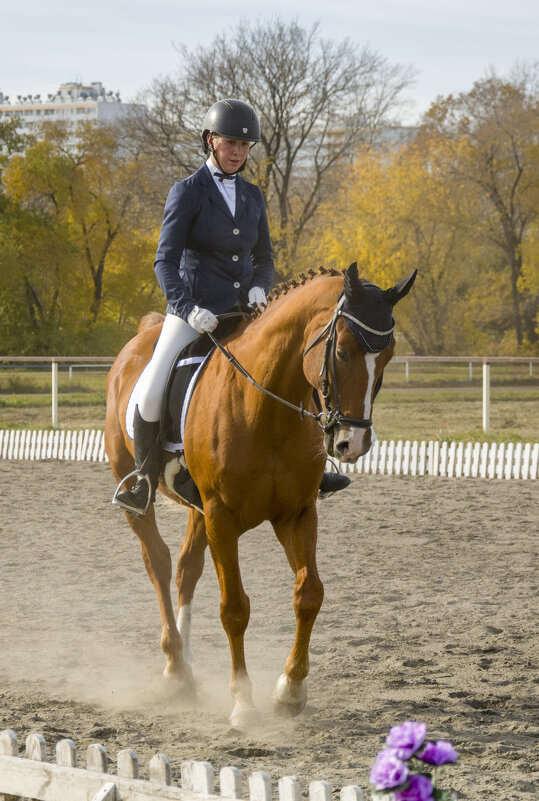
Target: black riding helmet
x=231 y=118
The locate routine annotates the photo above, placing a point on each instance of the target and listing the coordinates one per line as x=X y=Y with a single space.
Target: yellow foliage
x=84 y=233
x=397 y=212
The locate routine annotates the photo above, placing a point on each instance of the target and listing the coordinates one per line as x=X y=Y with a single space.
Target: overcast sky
x=126 y=43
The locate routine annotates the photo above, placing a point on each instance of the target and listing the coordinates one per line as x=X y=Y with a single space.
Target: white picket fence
x=79 y=446
x=33 y=776
x=449 y=459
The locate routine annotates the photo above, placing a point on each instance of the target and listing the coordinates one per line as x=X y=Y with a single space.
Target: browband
x=366 y=327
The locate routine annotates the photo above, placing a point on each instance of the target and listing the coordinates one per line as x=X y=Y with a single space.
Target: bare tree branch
x=318 y=102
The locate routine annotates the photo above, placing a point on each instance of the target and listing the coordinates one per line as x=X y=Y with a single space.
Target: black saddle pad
x=180 y=376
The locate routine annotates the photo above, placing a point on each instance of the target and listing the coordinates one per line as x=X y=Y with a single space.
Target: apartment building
x=73 y=103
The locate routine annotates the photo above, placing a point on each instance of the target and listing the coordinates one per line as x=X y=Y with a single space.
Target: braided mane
x=295 y=281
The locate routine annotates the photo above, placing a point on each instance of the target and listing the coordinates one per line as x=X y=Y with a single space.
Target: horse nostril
x=342 y=448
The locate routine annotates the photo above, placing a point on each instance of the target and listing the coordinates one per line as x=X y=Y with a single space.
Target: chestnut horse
x=254 y=458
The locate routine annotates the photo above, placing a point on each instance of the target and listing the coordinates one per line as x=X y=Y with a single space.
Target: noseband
x=330 y=416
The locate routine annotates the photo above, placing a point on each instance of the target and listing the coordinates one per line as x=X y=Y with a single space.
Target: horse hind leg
x=298 y=538
x=158 y=564
x=190 y=567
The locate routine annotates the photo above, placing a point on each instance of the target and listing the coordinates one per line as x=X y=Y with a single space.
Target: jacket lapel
x=241 y=197
x=207 y=179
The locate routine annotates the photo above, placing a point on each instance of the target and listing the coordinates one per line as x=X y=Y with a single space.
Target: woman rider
x=214 y=251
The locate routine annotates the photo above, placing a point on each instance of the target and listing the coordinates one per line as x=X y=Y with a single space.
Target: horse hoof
x=182 y=681
x=244 y=717
x=289 y=697
x=164 y=691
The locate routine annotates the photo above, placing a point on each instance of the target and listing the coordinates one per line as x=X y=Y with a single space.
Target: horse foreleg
x=158 y=564
x=190 y=567
x=298 y=538
x=234 y=608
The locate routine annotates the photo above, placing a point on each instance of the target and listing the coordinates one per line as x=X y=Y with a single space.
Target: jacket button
x=235 y=258
x=237 y=284
x=236 y=231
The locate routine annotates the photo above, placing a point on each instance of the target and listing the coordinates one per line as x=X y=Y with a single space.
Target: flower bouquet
x=408 y=769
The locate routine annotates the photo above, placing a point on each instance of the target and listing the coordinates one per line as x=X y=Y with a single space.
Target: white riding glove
x=257 y=297
x=202 y=320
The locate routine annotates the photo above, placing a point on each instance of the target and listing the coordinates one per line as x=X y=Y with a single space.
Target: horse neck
x=273 y=345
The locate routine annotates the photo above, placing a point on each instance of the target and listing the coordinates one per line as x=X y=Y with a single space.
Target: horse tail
x=149 y=320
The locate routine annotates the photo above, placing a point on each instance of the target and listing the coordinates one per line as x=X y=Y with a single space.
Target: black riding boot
x=186 y=487
x=148 y=457
x=332 y=482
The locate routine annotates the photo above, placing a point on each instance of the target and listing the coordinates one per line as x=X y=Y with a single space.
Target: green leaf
x=441 y=795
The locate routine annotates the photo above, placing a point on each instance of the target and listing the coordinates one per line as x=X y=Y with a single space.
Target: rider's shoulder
x=196 y=178
x=187 y=186
x=253 y=189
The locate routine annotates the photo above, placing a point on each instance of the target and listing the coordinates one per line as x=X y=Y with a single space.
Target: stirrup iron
x=133 y=510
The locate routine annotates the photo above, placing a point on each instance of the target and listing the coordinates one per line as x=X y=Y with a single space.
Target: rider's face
x=231 y=153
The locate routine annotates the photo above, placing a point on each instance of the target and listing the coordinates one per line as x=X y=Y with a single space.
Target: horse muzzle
x=347 y=443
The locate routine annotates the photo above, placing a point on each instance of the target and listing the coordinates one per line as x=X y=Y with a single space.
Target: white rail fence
x=33 y=776
x=106 y=361
x=449 y=459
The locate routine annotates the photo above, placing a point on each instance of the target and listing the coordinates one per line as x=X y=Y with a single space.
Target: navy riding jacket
x=207 y=257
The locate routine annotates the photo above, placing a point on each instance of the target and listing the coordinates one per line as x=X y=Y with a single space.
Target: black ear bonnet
x=367 y=310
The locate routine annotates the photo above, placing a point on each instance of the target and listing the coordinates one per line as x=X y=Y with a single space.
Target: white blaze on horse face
x=370 y=364
x=357 y=441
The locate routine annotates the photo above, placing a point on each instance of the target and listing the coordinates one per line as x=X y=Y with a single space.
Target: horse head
x=358 y=346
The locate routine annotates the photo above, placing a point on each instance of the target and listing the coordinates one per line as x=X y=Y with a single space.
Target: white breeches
x=176 y=334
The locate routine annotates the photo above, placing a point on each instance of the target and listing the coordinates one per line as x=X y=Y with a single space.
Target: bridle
x=333 y=415
x=330 y=415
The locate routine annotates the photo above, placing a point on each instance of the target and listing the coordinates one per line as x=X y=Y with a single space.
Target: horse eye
x=342 y=354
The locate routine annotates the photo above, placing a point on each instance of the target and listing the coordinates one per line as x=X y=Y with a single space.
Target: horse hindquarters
x=155 y=553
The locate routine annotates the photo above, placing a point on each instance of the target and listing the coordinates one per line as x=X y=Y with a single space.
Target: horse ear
x=353 y=288
x=397 y=292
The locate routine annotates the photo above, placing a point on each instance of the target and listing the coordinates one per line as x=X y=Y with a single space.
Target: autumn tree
x=11 y=141
x=395 y=213
x=459 y=203
x=492 y=146
x=318 y=101
x=31 y=251
x=81 y=239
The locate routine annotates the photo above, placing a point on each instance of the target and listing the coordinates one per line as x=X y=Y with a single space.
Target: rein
x=329 y=417
x=235 y=363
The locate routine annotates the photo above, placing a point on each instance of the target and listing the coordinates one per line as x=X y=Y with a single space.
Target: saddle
x=183 y=377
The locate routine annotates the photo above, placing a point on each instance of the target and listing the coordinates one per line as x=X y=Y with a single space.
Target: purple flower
x=406 y=738
x=439 y=753
x=388 y=770
x=419 y=788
